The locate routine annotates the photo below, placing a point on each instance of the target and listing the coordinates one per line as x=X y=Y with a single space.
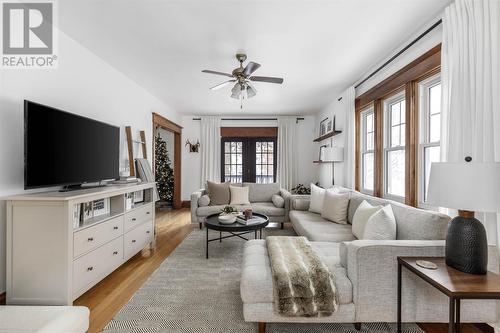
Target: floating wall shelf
x=326 y=136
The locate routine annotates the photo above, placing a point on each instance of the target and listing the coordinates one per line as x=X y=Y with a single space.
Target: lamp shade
x=334 y=154
x=465 y=186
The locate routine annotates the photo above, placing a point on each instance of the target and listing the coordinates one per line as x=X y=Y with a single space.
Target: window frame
x=425 y=142
x=363 y=149
x=407 y=78
x=398 y=97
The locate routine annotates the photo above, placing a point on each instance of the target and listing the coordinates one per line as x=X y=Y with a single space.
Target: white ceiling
x=319 y=47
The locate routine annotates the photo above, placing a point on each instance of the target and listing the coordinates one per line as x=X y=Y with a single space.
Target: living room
x=324 y=166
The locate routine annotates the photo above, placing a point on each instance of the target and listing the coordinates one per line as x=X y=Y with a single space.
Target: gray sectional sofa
x=365 y=270
x=260 y=196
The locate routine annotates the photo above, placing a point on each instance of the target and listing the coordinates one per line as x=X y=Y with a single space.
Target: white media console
x=52 y=258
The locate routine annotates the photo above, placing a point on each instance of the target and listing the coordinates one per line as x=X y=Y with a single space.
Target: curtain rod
x=400 y=52
x=248 y=119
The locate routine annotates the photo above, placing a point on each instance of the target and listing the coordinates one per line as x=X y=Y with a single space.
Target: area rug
x=191 y=294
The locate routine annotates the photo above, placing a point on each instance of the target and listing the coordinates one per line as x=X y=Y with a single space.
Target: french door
x=247 y=159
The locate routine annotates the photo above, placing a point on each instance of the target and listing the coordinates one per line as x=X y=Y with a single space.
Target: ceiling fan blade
x=217 y=73
x=250 y=68
x=223 y=84
x=267 y=79
x=251 y=91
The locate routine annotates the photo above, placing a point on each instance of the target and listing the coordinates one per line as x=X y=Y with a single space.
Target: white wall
x=191 y=162
x=430 y=40
x=82 y=84
x=337 y=109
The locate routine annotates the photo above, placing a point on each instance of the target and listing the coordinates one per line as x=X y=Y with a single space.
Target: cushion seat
x=318 y=229
x=267 y=208
x=256 y=279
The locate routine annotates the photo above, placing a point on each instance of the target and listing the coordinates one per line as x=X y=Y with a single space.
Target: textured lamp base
x=466 y=244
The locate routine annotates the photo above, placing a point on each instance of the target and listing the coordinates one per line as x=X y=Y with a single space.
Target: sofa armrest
x=286 y=195
x=372 y=270
x=299 y=202
x=194 y=204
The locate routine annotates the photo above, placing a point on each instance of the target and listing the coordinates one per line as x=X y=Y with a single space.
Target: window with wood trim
x=430 y=130
x=247 y=159
x=406 y=130
x=367 y=150
x=394 y=147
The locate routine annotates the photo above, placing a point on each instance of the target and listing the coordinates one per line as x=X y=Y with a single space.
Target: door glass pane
x=396 y=172
x=233 y=160
x=431 y=154
x=368 y=171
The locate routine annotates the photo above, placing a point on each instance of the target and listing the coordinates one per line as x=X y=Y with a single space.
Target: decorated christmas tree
x=164 y=174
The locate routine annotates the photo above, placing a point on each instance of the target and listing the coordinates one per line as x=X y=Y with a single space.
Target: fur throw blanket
x=303 y=284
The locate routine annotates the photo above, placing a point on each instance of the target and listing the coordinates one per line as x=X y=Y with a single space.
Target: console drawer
x=136 y=239
x=138 y=216
x=97 y=264
x=91 y=238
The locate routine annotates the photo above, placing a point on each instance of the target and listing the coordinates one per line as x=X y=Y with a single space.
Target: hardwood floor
x=106 y=298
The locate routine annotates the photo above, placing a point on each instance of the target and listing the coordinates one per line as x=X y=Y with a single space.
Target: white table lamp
x=469 y=187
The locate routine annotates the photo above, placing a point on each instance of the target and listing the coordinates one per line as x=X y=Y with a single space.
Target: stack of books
x=241 y=219
x=126 y=180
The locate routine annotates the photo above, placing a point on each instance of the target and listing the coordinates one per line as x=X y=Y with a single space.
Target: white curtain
x=287 y=152
x=470 y=71
x=210 y=149
x=350 y=139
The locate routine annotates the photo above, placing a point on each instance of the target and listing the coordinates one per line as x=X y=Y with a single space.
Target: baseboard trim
x=186 y=204
x=3 y=298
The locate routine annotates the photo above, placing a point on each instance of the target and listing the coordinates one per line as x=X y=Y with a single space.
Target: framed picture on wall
x=323 y=127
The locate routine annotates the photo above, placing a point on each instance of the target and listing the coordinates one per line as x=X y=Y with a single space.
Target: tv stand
x=54 y=255
x=77 y=187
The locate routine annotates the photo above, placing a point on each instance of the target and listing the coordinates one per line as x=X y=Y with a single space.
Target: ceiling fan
x=242 y=79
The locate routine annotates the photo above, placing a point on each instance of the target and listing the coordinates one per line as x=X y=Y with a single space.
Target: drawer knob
x=115 y=228
x=148 y=232
x=133 y=240
x=148 y=213
x=133 y=219
x=115 y=253
x=90 y=239
x=90 y=268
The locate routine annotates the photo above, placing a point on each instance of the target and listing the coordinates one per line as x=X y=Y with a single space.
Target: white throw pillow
x=335 y=206
x=239 y=195
x=381 y=225
x=361 y=216
x=317 y=198
x=278 y=201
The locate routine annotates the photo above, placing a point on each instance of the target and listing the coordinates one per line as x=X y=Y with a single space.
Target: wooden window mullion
x=411 y=165
x=378 y=182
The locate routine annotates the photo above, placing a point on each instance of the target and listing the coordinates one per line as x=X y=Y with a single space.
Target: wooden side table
x=451 y=282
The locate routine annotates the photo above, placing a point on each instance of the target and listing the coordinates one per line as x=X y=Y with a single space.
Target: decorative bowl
x=227 y=218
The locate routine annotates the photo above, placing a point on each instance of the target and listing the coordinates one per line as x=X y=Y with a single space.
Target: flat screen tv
x=61 y=148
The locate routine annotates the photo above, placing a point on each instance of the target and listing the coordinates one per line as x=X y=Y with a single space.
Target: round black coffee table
x=235 y=229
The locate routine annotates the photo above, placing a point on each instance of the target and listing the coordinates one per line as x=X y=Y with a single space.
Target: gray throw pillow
x=278 y=201
x=203 y=201
x=219 y=193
